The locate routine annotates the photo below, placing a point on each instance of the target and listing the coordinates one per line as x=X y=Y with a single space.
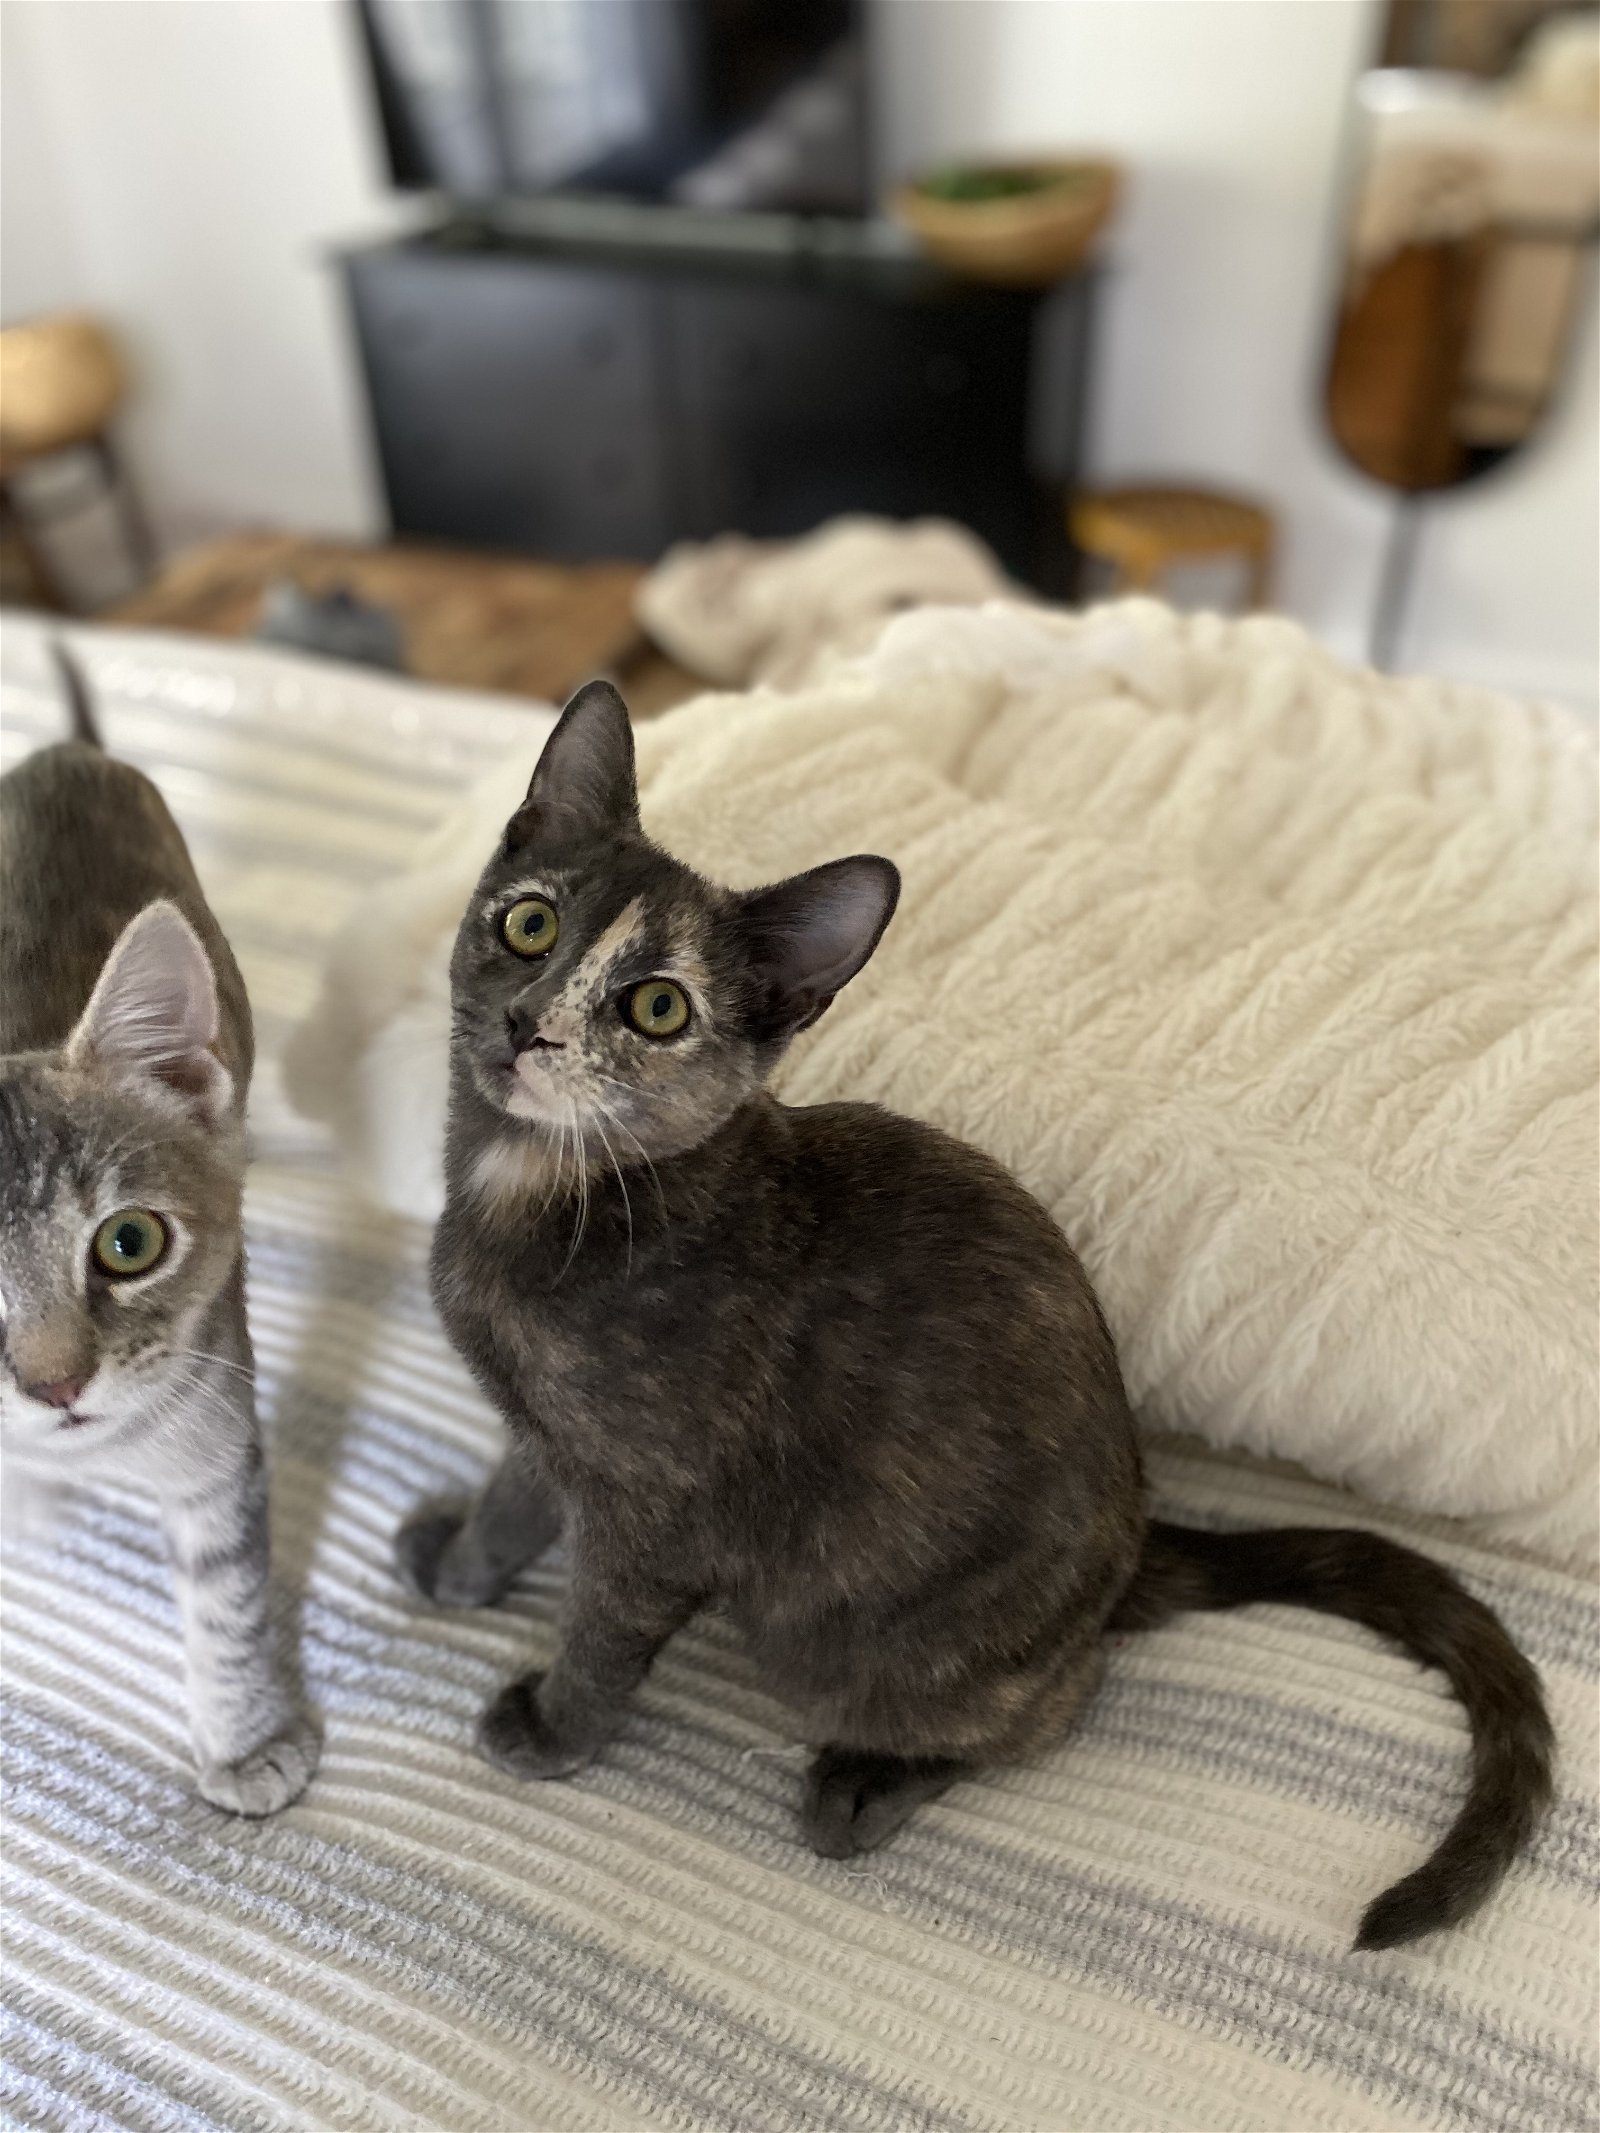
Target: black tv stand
x=598 y=223
x=567 y=385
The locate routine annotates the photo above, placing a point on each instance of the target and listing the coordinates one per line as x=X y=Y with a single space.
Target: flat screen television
x=741 y=106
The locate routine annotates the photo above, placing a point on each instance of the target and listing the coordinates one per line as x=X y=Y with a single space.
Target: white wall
x=1508 y=576
x=39 y=266
x=184 y=164
x=204 y=154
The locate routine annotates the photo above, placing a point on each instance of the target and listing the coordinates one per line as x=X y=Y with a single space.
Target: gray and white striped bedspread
x=1148 y=1929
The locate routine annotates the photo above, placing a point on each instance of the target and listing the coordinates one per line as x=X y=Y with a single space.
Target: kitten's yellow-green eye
x=530 y=927
x=657 y=1008
x=130 y=1242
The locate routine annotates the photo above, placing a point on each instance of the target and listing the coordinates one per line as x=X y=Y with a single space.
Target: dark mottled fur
x=825 y=1367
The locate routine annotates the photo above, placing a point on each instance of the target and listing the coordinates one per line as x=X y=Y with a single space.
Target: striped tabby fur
x=125 y=1055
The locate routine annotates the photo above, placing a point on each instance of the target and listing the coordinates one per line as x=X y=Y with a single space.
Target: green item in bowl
x=965 y=184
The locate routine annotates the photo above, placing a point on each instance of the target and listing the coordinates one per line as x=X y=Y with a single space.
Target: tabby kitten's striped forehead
x=608 y=999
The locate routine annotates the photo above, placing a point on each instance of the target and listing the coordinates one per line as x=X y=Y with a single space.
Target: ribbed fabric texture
x=1147 y=1929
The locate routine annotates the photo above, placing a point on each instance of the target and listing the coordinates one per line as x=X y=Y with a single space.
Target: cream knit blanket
x=739 y=612
x=1274 y=979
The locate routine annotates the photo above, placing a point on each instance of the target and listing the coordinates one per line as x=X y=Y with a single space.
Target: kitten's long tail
x=75 y=688
x=1420 y=1606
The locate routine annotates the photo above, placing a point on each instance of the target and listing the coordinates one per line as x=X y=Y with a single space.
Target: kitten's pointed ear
x=810 y=935
x=584 y=782
x=153 y=1014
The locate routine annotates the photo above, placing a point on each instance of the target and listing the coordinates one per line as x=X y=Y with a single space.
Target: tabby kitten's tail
x=1420 y=1606
x=75 y=688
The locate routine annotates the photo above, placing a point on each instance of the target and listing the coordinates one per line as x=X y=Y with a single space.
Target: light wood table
x=470 y=620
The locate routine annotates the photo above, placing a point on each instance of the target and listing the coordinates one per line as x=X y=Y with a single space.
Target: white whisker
x=583 y=1189
x=644 y=1155
x=204 y=1355
x=622 y=1181
x=553 y=1189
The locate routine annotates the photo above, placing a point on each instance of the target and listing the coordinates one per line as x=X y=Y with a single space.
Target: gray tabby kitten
x=125 y=1055
x=826 y=1368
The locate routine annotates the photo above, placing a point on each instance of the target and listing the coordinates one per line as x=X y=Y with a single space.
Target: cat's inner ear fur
x=153 y=1014
x=584 y=781
x=808 y=936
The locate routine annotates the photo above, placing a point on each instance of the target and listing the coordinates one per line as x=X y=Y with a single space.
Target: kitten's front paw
x=431 y=1561
x=513 y=1735
x=269 y=1777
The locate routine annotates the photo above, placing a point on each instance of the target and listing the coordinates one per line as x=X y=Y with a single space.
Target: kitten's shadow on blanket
x=329 y=1275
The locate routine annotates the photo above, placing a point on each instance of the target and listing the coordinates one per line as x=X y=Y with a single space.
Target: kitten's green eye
x=530 y=927
x=657 y=1008
x=130 y=1241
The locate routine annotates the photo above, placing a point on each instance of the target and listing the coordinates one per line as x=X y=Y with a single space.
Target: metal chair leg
x=46 y=586
x=135 y=526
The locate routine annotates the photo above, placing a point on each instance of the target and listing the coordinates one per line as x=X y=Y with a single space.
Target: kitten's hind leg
x=855 y=1798
x=467 y=1554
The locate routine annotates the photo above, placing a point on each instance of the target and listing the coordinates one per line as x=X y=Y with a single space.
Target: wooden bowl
x=1026 y=239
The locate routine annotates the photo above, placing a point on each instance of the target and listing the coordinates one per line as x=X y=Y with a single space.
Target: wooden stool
x=1143 y=532
x=61 y=381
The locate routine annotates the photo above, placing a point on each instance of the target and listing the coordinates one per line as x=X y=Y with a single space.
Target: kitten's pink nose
x=61 y=1392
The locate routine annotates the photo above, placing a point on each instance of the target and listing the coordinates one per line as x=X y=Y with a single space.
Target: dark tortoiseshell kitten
x=826 y=1368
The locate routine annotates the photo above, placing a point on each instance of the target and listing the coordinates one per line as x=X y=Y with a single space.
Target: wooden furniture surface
x=1399 y=360
x=470 y=621
x=62 y=381
x=1143 y=532
x=1024 y=240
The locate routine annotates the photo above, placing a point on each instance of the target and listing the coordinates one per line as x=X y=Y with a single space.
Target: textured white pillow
x=1274 y=980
